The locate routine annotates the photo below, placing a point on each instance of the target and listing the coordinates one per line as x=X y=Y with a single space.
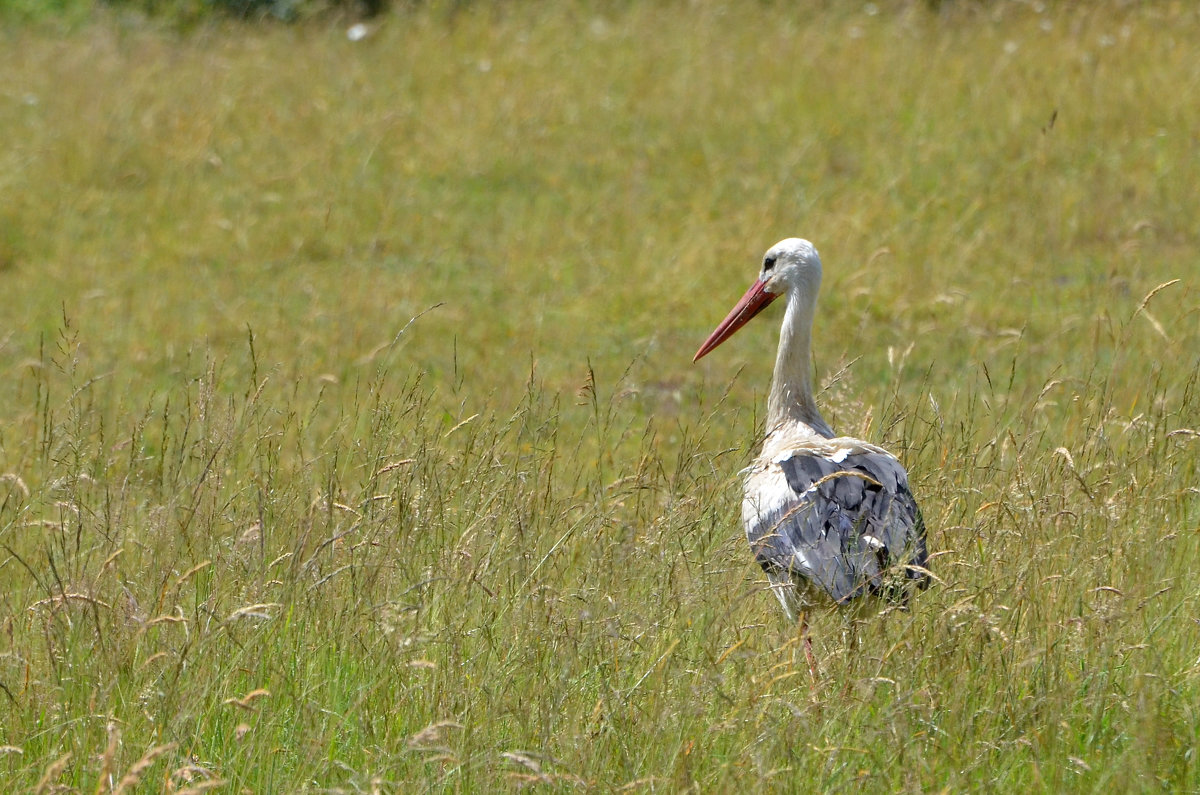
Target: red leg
x=808 y=651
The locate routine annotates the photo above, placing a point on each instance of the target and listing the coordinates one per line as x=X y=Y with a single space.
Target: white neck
x=791 y=400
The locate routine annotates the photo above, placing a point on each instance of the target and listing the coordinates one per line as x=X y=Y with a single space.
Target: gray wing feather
x=853 y=527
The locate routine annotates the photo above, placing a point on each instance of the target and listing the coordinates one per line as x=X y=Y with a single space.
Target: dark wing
x=850 y=527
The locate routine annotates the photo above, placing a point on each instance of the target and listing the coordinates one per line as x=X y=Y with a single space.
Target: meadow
x=350 y=439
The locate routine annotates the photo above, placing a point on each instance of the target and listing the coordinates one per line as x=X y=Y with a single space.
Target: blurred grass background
x=260 y=531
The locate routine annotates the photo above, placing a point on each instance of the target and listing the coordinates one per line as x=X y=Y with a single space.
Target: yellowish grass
x=260 y=528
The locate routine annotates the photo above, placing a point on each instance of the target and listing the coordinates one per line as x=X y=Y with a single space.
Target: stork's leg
x=850 y=633
x=785 y=590
x=806 y=639
x=850 y=647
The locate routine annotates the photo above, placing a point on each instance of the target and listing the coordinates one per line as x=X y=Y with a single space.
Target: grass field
x=350 y=440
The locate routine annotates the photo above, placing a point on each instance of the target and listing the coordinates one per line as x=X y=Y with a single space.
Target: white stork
x=829 y=518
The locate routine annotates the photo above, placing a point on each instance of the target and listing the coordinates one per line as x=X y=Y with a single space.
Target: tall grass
x=349 y=440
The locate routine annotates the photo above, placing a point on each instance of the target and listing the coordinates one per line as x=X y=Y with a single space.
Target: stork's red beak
x=754 y=301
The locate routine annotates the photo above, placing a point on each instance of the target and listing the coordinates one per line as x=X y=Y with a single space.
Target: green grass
x=261 y=530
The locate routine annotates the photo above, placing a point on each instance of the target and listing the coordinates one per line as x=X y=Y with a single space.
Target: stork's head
x=789 y=266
